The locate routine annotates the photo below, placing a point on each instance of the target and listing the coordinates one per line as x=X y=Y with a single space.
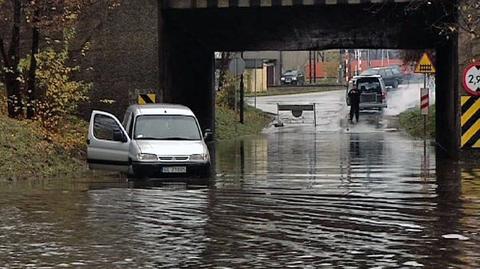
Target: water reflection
x=296 y=198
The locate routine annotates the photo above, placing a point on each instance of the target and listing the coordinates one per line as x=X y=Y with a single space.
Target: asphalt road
x=332 y=111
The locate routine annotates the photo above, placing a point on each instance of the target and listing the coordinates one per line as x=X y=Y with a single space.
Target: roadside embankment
x=412 y=122
x=28 y=151
x=228 y=126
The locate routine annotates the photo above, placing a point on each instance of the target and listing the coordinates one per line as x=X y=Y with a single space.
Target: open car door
x=108 y=143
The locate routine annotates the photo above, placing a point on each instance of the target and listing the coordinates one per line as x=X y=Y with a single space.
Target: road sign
x=471 y=79
x=237 y=66
x=149 y=98
x=297 y=110
x=424 y=102
x=425 y=65
x=470 y=122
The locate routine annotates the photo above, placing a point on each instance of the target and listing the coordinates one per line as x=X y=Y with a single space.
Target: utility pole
x=315 y=67
x=242 y=95
x=310 y=65
x=255 y=82
x=281 y=63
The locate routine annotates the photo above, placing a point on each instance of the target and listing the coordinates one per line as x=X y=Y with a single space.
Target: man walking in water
x=354 y=97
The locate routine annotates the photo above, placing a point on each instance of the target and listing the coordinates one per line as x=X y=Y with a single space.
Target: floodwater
x=358 y=196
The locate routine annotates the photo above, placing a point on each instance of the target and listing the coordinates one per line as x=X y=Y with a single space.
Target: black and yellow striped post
x=470 y=122
x=149 y=98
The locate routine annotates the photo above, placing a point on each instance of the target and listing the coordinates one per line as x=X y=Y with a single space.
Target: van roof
x=367 y=76
x=155 y=109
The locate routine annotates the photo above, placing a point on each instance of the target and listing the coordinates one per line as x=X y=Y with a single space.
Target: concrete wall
x=468 y=52
x=123 y=55
x=256 y=79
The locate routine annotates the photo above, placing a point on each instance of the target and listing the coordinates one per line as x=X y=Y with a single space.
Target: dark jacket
x=354 y=96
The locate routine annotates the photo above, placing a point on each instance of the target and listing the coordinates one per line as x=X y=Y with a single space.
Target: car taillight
x=384 y=95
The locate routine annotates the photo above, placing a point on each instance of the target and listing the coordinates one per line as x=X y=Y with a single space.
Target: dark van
x=391 y=75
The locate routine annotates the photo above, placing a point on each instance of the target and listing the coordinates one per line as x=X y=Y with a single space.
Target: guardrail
x=297 y=110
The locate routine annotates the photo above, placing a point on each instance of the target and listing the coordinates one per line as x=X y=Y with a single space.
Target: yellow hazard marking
x=425 y=65
x=470 y=112
x=470 y=133
x=464 y=99
x=149 y=98
x=470 y=174
x=477 y=144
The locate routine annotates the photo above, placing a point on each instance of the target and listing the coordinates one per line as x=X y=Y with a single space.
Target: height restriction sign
x=471 y=79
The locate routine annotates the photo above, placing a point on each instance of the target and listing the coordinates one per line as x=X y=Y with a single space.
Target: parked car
x=154 y=141
x=392 y=75
x=373 y=93
x=293 y=77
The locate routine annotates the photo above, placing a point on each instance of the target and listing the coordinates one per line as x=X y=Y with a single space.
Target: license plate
x=174 y=169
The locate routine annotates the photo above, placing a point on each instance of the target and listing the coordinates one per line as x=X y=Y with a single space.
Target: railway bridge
x=179 y=62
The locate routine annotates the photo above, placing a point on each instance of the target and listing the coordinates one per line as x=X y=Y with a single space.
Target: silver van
x=373 y=93
x=153 y=141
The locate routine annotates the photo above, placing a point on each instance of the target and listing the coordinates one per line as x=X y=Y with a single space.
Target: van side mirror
x=208 y=135
x=119 y=136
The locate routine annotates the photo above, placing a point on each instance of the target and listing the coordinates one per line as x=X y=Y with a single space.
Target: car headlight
x=282 y=78
x=199 y=157
x=294 y=78
x=147 y=157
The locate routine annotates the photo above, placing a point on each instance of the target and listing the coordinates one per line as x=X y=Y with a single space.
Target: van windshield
x=166 y=127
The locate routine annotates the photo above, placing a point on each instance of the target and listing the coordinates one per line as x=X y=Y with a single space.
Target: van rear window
x=369 y=85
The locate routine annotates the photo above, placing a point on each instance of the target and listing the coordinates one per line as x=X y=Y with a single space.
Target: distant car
x=373 y=93
x=154 y=141
x=392 y=75
x=292 y=77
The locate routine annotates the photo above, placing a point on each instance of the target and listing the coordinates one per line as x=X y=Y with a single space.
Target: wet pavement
x=331 y=196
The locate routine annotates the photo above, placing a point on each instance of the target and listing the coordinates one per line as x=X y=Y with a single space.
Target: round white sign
x=471 y=79
x=237 y=66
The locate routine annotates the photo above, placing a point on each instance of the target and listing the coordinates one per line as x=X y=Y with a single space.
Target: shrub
x=412 y=122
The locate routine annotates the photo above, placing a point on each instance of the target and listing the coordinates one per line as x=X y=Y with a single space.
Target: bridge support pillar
x=447 y=99
x=187 y=74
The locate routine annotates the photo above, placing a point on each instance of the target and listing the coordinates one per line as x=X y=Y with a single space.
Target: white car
x=154 y=141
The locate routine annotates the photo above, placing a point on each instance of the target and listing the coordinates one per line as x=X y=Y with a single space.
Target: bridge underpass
x=191 y=31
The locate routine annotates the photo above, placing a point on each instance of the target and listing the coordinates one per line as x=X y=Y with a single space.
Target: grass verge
x=412 y=122
x=228 y=127
x=27 y=151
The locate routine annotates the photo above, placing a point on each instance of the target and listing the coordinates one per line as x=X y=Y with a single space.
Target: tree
x=467 y=13
x=460 y=17
x=42 y=18
x=10 y=57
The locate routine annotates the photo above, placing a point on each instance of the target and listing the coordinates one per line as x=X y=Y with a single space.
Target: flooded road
x=295 y=197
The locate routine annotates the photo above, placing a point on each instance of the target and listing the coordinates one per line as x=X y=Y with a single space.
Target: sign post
x=425 y=66
x=424 y=100
x=237 y=67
